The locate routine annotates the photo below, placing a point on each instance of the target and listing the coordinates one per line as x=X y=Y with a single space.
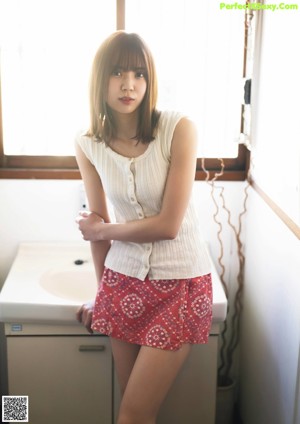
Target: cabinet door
x=68 y=379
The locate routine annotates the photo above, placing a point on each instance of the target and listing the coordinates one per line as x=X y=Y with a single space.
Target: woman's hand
x=84 y=315
x=89 y=223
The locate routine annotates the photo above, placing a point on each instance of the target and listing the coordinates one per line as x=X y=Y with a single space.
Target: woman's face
x=126 y=90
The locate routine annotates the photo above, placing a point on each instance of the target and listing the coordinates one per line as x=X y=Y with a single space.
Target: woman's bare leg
x=124 y=355
x=150 y=380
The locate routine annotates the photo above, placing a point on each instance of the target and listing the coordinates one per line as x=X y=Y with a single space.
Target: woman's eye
x=116 y=73
x=140 y=75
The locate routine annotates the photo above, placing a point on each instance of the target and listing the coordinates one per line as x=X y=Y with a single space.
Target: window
x=46 y=53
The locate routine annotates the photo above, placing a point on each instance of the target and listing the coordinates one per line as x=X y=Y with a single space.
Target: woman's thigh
x=125 y=355
x=151 y=377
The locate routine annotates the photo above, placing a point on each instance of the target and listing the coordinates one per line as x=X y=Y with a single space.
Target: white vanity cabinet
x=68 y=378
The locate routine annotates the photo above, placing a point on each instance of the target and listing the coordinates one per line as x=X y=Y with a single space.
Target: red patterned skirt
x=160 y=313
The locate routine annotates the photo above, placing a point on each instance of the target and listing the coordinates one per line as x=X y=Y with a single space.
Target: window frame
x=65 y=167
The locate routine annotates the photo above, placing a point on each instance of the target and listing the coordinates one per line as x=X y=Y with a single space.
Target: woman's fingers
x=85 y=314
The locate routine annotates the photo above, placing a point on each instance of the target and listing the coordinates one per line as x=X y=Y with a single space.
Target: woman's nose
x=127 y=83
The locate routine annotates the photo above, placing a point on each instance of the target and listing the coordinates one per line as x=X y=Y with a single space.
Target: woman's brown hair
x=125 y=51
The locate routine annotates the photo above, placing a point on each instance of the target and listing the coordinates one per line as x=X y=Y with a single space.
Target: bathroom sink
x=48 y=282
x=73 y=284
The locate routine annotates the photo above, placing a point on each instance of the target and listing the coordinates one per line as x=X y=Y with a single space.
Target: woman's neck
x=126 y=126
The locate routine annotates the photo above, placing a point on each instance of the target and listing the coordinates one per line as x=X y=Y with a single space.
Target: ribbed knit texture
x=135 y=188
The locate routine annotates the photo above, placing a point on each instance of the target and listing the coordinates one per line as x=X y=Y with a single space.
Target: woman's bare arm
x=97 y=204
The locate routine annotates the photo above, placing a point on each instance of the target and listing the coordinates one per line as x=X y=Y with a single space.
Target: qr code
x=15 y=409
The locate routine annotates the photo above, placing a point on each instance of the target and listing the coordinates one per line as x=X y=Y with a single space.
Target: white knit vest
x=135 y=188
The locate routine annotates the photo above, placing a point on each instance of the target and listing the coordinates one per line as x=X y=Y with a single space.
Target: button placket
x=131 y=191
x=147 y=250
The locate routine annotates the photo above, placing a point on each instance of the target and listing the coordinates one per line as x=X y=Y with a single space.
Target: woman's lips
x=126 y=100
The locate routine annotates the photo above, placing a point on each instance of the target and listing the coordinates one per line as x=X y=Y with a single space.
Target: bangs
x=128 y=55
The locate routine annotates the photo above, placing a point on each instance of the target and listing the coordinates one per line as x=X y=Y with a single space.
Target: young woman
x=155 y=295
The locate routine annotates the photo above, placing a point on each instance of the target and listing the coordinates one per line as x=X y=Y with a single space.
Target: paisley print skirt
x=160 y=313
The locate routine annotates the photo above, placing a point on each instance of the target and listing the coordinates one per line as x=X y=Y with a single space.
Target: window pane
x=198 y=50
x=47 y=49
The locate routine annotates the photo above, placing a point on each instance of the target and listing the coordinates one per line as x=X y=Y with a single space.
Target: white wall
x=270 y=371
x=36 y=210
x=271 y=319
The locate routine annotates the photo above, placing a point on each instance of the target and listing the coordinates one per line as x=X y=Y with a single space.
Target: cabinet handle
x=91 y=348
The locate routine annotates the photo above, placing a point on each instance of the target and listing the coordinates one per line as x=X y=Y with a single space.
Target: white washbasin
x=45 y=285
x=48 y=282
x=72 y=284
